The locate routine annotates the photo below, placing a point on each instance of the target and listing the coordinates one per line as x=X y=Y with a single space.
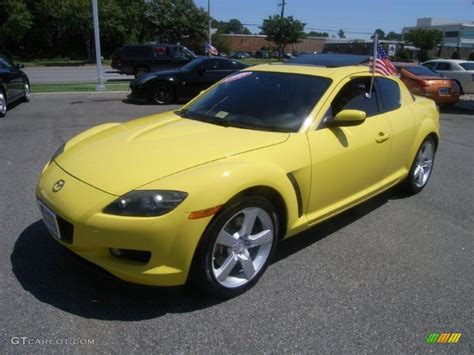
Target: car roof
x=329 y=59
x=335 y=73
x=449 y=60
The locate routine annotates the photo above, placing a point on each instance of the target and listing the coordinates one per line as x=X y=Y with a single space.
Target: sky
x=358 y=18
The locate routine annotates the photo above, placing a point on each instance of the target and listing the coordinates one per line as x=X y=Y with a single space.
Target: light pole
x=98 y=56
x=209 y=39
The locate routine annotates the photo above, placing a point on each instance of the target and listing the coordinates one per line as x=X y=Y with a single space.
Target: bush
x=455 y=55
x=471 y=56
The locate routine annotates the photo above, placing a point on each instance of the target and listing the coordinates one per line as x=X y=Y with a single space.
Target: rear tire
x=236 y=247
x=3 y=104
x=421 y=168
x=140 y=72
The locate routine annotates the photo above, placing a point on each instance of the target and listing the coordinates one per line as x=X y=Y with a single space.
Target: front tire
x=421 y=168
x=162 y=93
x=26 y=93
x=3 y=104
x=236 y=248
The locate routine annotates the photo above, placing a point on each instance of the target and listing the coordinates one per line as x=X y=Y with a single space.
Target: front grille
x=66 y=229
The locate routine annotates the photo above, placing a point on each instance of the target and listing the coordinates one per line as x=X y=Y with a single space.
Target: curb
x=79 y=92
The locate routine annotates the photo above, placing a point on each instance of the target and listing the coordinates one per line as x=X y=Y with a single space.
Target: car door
x=403 y=128
x=12 y=78
x=212 y=72
x=348 y=162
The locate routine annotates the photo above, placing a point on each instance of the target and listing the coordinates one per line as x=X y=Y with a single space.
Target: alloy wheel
x=27 y=92
x=424 y=164
x=3 y=105
x=242 y=247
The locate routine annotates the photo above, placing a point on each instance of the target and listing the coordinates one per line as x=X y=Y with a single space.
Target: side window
x=353 y=97
x=390 y=93
x=224 y=65
x=210 y=64
x=443 y=66
x=4 y=63
x=162 y=51
x=430 y=65
x=137 y=51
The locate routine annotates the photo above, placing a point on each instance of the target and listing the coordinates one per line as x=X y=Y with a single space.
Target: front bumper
x=171 y=239
x=138 y=94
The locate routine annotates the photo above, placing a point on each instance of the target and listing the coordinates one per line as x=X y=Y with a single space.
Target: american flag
x=209 y=48
x=383 y=65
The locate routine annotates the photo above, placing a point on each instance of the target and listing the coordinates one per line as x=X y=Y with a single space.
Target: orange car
x=426 y=82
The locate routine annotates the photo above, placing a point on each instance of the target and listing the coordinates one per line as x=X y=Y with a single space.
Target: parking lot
x=377 y=278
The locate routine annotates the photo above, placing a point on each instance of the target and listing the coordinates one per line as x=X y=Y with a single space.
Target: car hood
x=130 y=155
x=157 y=74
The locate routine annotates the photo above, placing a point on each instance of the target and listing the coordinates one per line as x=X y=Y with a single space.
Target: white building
x=457 y=35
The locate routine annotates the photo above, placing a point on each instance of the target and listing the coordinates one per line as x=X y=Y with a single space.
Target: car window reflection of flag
x=211 y=50
x=383 y=65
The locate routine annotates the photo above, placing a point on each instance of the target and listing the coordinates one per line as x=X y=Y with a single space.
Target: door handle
x=382 y=137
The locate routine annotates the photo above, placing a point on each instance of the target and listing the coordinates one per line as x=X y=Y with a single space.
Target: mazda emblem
x=58 y=185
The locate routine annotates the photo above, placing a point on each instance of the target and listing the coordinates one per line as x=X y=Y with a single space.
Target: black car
x=184 y=83
x=144 y=58
x=14 y=84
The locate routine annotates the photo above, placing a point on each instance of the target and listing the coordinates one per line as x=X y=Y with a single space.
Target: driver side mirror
x=349 y=118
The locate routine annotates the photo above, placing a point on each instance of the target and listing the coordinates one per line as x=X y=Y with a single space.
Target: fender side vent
x=296 y=187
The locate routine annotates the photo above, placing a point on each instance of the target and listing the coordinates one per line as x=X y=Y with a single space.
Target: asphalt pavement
x=73 y=74
x=376 y=279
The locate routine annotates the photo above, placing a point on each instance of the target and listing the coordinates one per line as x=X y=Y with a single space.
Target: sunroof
x=329 y=59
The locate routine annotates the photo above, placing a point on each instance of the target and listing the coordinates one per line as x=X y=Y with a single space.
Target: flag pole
x=374 y=58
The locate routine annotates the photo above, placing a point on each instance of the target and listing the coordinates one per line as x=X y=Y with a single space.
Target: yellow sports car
x=204 y=194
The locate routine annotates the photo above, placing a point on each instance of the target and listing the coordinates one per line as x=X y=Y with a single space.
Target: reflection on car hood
x=138 y=152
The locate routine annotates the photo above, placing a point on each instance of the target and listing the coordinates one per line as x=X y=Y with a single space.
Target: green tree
x=425 y=39
x=175 y=21
x=317 y=34
x=15 y=21
x=341 y=33
x=283 y=31
x=380 y=33
x=393 y=36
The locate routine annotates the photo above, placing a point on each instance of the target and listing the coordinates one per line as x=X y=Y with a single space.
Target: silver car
x=460 y=70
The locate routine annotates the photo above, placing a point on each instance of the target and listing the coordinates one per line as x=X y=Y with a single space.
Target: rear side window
x=137 y=51
x=162 y=51
x=238 y=65
x=353 y=97
x=389 y=91
x=421 y=70
x=443 y=66
x=224 y=65
x=467 y=66
x=430 y=65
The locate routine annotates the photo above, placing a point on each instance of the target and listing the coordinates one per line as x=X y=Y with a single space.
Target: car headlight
x=146 y=203
x=57 y=153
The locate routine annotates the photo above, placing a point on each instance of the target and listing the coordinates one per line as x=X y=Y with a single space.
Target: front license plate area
x=50 y=220
x=443 y=91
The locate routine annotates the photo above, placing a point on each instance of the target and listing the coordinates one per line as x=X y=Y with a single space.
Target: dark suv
x=140 y=59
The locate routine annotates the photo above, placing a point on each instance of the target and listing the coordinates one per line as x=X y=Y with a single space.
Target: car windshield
x=421 y=70
x=467 y=66
x=4 y=63
x=260 y=100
